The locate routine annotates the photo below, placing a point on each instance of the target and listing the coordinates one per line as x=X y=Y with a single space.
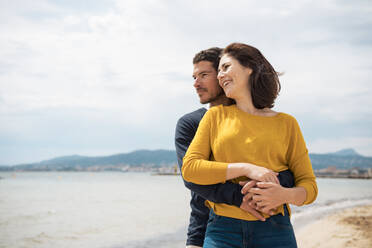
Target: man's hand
x=247 y=185
x=267 y=196
x=246 y=204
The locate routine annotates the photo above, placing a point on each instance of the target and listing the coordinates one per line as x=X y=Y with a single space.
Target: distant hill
x=343 y=159
x=346 y=152
x=6 y=168
x=147 y=158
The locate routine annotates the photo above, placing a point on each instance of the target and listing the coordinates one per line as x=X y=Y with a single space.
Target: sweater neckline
x=255 y=116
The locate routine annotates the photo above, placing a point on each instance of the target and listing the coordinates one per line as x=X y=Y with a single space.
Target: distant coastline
x=346 y=163
x=334 y=172
x=346 y=177
x=160 y=172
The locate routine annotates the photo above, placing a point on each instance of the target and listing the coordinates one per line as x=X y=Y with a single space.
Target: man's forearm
x=228 y=193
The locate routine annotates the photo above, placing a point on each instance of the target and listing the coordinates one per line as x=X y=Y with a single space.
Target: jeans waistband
x=286 y=211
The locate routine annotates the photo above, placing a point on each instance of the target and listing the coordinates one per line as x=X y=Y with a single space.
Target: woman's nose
x=220 y=75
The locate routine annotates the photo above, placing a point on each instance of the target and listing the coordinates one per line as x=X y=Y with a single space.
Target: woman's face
x=233 y=77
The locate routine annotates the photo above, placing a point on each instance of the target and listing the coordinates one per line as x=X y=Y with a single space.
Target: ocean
x=124 y=210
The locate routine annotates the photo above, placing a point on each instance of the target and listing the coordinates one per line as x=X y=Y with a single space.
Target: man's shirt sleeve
x=228 y=192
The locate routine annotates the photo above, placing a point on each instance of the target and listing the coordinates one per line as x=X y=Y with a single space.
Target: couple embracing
x=243 y=162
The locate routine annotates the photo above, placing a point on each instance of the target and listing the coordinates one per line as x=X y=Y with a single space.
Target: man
x=209 y=91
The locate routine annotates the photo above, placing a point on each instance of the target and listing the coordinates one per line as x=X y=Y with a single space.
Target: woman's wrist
x=251 y=171
x=295 y=196
x=248 y=169
x=235 y=170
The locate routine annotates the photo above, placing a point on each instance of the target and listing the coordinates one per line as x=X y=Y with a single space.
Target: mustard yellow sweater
x=230 y=135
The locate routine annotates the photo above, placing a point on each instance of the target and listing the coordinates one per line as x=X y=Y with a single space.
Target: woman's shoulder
x=286 y=116
x=220 y=109
x=219 y=112
x=289 y=119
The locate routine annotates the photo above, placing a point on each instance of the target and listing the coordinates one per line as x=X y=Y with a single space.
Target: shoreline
x=157 y=173
x=347 y=228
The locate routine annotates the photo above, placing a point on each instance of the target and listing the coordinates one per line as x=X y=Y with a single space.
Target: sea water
x=115 y=210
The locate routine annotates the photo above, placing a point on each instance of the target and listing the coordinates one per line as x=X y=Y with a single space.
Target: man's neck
x=222 y=100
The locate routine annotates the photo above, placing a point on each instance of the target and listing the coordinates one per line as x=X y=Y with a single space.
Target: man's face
x=206 y=83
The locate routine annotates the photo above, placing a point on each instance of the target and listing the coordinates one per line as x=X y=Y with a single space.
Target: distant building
x=369 y=172
x=355 y=172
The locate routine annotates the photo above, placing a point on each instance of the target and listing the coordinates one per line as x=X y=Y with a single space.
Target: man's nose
x=196 y=82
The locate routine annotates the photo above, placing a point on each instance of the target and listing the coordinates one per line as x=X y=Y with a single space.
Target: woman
x=249 y=140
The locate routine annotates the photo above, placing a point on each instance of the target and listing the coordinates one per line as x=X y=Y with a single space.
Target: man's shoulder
x=196 y=115
x=188 y=124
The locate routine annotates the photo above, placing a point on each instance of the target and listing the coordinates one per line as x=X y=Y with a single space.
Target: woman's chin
x=228 y=94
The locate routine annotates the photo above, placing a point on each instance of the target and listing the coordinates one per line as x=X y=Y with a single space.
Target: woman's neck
x=246 y=104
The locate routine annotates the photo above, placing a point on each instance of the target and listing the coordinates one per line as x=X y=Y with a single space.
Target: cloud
x=128 y=64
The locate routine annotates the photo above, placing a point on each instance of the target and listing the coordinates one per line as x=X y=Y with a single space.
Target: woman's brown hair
x=264 y=81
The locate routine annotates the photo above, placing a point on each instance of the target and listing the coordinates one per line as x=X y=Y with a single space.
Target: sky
x=104 y=77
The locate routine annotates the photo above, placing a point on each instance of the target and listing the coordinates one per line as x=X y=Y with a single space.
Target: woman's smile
x=232 y=73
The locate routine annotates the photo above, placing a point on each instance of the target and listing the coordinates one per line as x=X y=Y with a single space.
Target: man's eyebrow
x=201 y=72
x=205 y=71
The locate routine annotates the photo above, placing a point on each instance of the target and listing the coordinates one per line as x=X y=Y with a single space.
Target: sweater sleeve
x=228 y=192
x=196 y=167
x=299 y=163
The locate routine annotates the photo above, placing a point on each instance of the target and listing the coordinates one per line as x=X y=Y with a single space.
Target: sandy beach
x=348 y=228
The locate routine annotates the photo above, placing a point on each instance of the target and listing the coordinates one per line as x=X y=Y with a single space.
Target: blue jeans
x=225 y=232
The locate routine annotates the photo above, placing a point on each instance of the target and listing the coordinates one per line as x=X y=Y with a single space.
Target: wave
x=304 y=215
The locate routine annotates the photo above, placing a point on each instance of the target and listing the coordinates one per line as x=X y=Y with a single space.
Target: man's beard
x=212 y=98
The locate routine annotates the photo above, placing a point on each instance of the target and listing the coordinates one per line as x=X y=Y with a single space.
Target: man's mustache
x=201 y=89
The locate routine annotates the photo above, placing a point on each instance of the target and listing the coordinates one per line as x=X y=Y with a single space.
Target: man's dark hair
x=264 y=81
x=212 y=55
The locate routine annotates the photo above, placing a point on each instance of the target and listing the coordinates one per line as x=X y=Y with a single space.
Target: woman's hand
x=246 y=206
x=261 y=174
x=267 y=196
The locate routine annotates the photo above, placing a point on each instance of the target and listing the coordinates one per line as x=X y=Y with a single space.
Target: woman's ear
x=248 y=70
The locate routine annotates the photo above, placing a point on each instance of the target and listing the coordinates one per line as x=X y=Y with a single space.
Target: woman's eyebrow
x=222 y=65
